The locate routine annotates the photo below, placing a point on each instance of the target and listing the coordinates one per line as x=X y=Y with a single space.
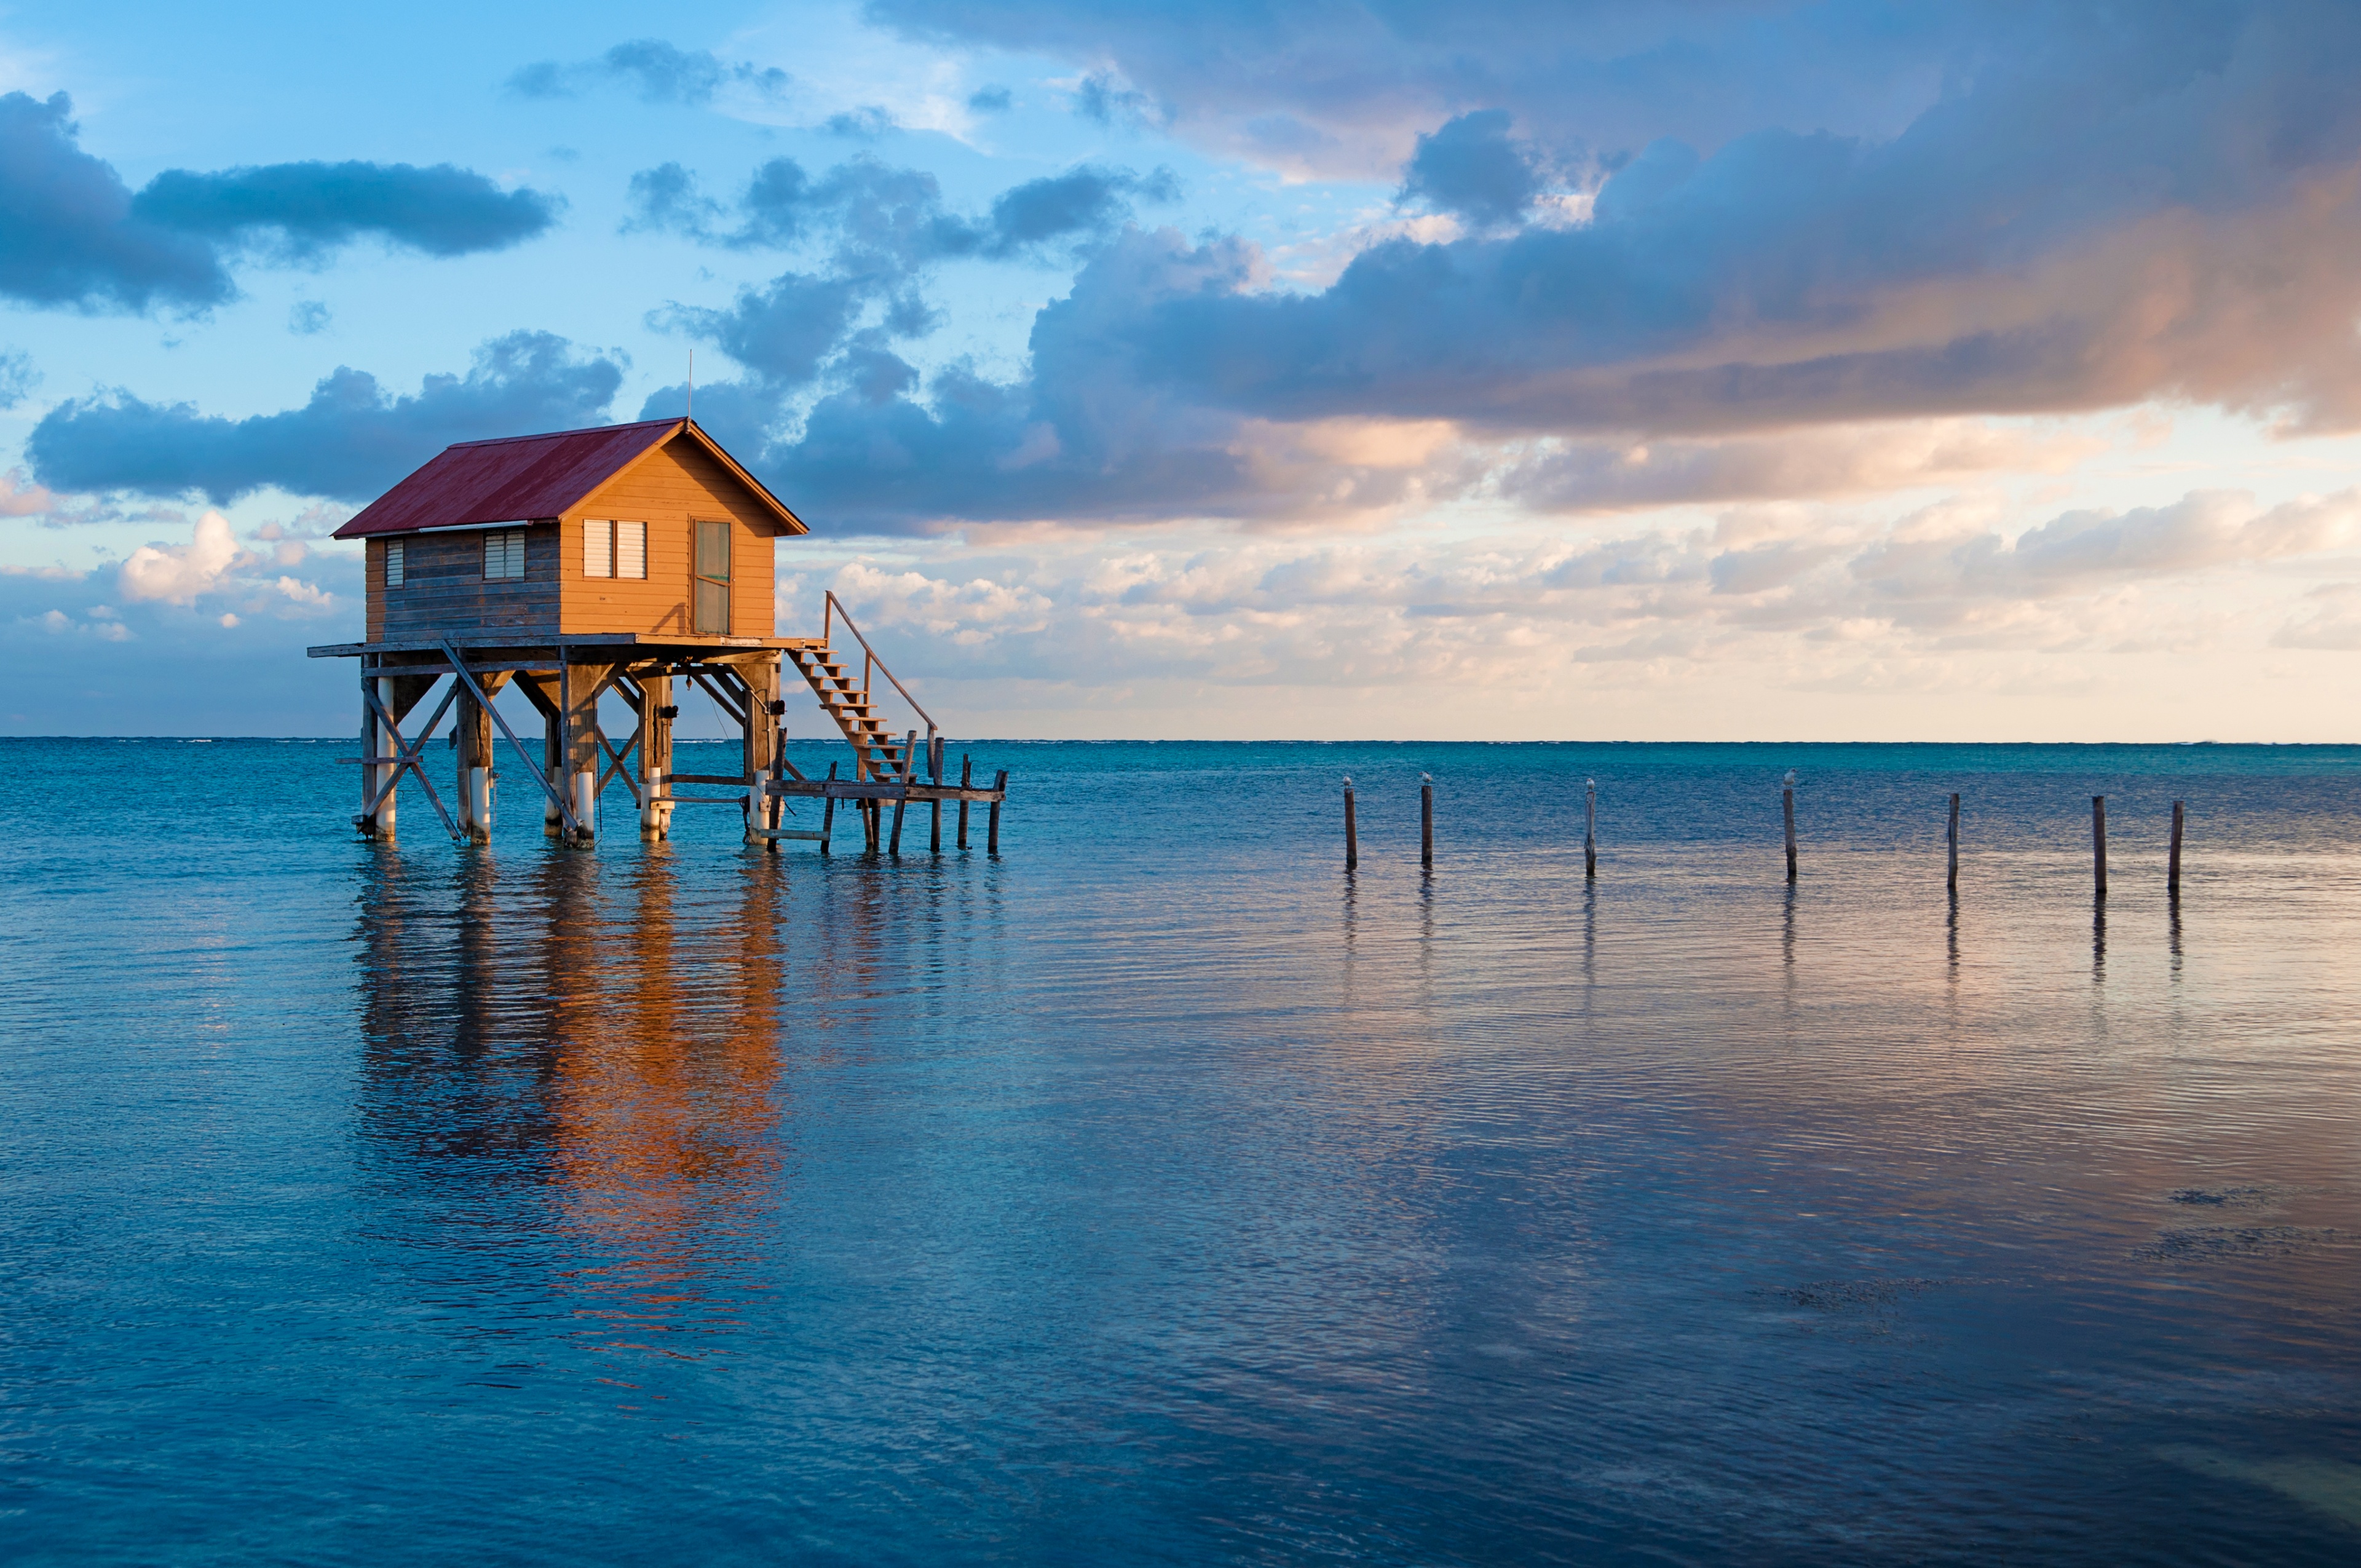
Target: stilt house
x=622 y=558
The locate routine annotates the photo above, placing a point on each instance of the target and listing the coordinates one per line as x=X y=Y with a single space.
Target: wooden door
x=711 y=587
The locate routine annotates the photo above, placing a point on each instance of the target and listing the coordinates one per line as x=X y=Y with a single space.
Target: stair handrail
x=836 y=606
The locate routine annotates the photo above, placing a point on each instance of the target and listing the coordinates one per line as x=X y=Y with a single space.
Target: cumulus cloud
x=214 y=563
x=349 y=441
x=1470 y=167
x=17 y=377
x=1411 y=611
x=305 y=209
x=888 y=219
x=2065 y=209
x=879 y=229
x=2331 y=620
x=20 y=498
x=659 y=71
x=178 y=574
x=68 y=235
x=73 y=233
x=1342 y=91
x=1834 y=460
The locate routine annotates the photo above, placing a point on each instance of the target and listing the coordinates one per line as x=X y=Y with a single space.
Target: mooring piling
x=1589 y=829
x=2099 y=843
x=1951 y=842
x=387 y=747
x=1352 y=841
x=1000 y=786
x=1426 y=819
x=935 y=768
x=1787 y=808
x=962 y=820
x=827 y=813
x=909 y=765
x=2172 y=862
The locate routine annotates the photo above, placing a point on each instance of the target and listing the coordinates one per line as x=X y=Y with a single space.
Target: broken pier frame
x=870 y=795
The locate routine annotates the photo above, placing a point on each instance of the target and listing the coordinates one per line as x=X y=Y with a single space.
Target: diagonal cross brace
x=408 y=755
x=617 y=770
x=460 y=668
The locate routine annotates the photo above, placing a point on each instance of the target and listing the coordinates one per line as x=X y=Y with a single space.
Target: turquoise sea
x=1157 y=1192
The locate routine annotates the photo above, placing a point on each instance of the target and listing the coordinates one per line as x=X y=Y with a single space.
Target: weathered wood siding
x=666 y=489
x=443 y=593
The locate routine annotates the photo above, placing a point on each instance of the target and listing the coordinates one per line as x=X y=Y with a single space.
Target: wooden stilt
x=999 y=781
x=582 y=759
x=761 y=729
x=553 y=748
x=826 y=814
x=370 y=777
x=1425 y=820
x=909 y=765
x=541 y=691
x=935 y=768
x=963 y=815
x=656 y=713
x=387 y=694
x=1352 y=841
x=1951 y=842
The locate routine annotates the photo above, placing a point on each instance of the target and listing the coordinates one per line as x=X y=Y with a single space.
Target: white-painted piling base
x=655 y=815
x=586 y=803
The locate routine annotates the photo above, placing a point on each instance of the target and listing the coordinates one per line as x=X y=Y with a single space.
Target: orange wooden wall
x=668 y=490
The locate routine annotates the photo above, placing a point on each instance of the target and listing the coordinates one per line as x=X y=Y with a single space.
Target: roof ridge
x=556 y=434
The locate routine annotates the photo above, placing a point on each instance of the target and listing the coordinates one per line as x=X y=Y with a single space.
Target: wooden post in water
x=2098 y=842
x=1787 y=806
x=1589 y=829
x=909 y=767
x=999 y=785
x=2172 y=862
x=962 y=821
x=1952 y=840
x=1425 y=819
x=827 y=814
x=1352 y=842
x=387 y=694
x=935 y=768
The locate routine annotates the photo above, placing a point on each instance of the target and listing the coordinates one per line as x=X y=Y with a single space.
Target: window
x=504 y=554
x=612 y=549
x=712 y=579
x=393 y=562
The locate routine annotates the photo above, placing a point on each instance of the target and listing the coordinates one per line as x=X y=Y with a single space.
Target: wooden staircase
x=878 y=753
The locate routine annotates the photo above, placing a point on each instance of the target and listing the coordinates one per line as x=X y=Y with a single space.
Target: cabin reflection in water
x=575 y=1033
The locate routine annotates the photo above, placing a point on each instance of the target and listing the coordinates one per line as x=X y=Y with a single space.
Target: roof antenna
x=692 y=387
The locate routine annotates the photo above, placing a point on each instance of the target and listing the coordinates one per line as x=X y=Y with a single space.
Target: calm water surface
x=1157 y=1194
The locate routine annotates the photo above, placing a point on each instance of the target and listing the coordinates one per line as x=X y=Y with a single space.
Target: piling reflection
x=2098 y=940
x=579 y=1035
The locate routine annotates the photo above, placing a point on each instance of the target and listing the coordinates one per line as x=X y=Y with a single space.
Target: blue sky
x=1739 y=370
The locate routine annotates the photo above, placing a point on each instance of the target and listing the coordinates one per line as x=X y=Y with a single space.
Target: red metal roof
x=522 y=476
